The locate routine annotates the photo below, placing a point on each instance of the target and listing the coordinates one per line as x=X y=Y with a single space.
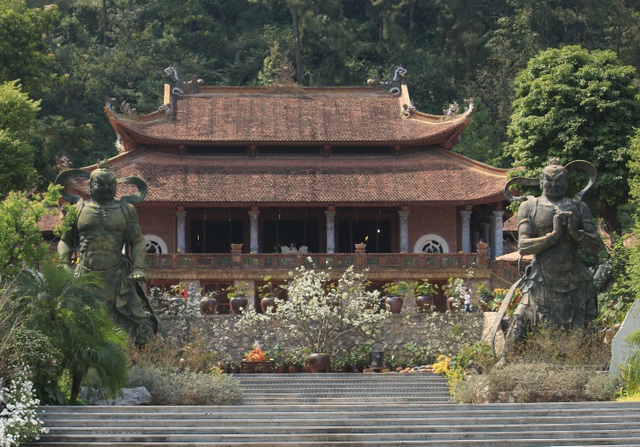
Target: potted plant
x=268 y=293
x=257 y=361
x=279 y=358
x=208 y=303
x=295 y=363
x=342 y=361
x=395 y=292
x=237 y=295
x=424 y=292
x=453 y=290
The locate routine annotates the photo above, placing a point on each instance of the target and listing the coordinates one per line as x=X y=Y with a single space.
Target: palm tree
x=67 y=309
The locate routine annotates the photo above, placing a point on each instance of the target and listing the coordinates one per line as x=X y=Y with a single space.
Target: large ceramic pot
x=208 y=306
x=425 y=303
x=319 y=362
x=238 y=304
x=268 y=304
x=394 y=304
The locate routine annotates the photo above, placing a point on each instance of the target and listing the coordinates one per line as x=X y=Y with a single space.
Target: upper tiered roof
x=288 y=115
x=182 y=150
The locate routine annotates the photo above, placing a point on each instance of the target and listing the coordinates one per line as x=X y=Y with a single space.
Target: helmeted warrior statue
x=557 y=287
x=102 y=228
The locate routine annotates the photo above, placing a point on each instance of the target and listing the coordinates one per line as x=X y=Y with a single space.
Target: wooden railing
x=507 y=272
x=379 y=265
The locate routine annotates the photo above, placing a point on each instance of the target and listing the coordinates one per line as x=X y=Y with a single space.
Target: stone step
x=599 y=438
x=495 y=410
x=321 y=410
x=331 y=426
x=335 y=388
x=346 y=377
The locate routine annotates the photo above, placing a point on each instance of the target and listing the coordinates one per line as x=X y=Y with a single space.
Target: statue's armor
x=559 y=264
x=102 y=234
x=557 y=286
x=103 y=230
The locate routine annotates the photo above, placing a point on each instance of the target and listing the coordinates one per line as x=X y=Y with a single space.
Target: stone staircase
x=381 y=389
x=345 y=410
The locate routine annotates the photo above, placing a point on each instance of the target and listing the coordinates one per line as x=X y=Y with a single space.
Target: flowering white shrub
x=184 y=313
x=18 y=419
x=318 y=315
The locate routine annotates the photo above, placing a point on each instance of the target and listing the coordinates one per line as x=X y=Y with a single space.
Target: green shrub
x=602 y=386
x=474 y=389
x=567 y=384
x=170 y=387
x=527 y=382
x=547 y=345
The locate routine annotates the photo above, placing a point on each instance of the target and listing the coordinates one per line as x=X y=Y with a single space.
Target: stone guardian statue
x=102 y=228
x=558 y=289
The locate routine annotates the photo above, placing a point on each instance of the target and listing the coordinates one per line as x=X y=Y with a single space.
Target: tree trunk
x=609 y=214
x=76 y=382
x=296 y=35
x=104 y=23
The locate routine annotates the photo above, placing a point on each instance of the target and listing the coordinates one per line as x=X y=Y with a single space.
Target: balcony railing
x=377 y=263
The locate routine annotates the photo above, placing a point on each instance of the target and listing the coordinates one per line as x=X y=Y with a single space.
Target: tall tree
x=21 y=242
x=17 y=118
x=573 y=103
x=24 y=52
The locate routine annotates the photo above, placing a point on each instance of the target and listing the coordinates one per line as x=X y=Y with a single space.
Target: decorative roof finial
x=392 y=86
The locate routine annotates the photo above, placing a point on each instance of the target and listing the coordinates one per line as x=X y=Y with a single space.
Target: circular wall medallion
x=431 y=243
x=155 y=245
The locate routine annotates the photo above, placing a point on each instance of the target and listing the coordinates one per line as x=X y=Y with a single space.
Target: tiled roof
x=49 y=221
x=311 y=116
x=435 y=176
x=511 y=224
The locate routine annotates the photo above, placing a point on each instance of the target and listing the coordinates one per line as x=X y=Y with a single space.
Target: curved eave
x=447 y=138
x=434 y=177
x=423 y=129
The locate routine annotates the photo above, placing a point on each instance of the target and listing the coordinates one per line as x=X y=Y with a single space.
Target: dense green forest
x=67 y=57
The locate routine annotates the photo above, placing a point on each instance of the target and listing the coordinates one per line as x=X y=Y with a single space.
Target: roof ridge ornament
x=178 y=86
x=392 y=86
x=285 y=79
x=454 y=110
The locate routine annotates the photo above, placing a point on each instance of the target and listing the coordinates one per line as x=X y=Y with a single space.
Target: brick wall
x=159 y=222
x=442 y=221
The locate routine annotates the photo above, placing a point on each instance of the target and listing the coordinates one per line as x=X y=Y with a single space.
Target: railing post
x=361 y=249
x=483 y=255
x=236 y=255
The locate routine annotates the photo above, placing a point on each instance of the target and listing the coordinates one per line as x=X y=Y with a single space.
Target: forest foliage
x=69 y=55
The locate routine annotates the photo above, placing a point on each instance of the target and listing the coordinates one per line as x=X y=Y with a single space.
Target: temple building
x=249 y=181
